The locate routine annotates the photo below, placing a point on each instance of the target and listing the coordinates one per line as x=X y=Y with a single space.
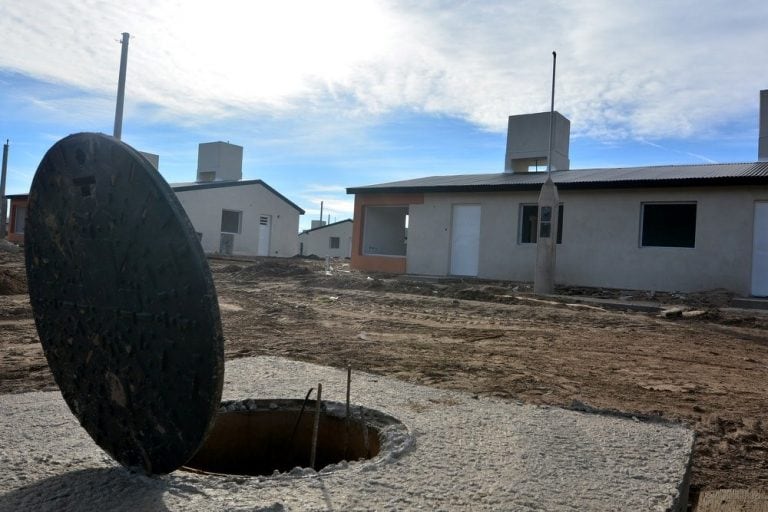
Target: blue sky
x=328 y=95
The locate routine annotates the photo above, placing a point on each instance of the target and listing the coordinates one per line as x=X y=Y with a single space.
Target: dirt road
x=709 y=371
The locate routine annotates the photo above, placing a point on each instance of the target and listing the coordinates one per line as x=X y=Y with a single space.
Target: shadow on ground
x=98 y=489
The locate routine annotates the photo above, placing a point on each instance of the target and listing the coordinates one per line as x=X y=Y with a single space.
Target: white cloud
x=338 y=204
x=625 y=69
x=316 y=188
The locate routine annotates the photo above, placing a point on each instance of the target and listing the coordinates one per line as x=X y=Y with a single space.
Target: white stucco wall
x=317 y=241
x=601 y=239
x=204 y=207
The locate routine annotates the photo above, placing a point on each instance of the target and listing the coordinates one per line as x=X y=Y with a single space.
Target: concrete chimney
x=762 y=144
x=219 y=161
x=152 y=158
x=528 y=142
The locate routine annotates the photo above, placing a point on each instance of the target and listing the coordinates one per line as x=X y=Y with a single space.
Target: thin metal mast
x=121 y=87
x=3 y=172
x=551 y=115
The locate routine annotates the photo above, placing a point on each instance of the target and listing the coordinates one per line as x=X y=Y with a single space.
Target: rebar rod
x=316 y=427
x=346 y=417
x=298 y=420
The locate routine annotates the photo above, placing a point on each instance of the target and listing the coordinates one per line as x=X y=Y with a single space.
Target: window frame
x=370 y=242
x=641 y=233
x=239 y=221
x=521 y=218
x=331 y=240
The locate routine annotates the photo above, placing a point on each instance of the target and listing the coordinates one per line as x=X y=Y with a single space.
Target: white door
x=465 y=239
x=265 y=228
x=760 y=251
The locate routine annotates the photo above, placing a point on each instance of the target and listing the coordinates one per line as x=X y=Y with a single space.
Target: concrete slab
x=461 y=453
x=750 y=303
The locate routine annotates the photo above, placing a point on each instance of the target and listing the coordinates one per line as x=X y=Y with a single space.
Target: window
x=384 y=230
x=668 y=225
x=529 y=218
x=333 y=242
x=231 y=221
x=19 y=219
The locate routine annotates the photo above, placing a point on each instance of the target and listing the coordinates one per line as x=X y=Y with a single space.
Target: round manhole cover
x=124 y=302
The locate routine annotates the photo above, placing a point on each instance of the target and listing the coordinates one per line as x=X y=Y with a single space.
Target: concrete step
x=750 y=302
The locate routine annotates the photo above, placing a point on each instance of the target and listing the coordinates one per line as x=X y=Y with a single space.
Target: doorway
x=226 y=243
x=465 y=239
x=265 y=229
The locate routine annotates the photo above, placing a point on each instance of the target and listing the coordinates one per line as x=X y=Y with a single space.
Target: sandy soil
x=709 y=371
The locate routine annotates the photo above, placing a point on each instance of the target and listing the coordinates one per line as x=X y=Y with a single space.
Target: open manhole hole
x=127 y=314
x=261 y=437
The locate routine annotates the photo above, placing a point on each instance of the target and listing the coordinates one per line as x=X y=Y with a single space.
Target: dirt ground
x=708 y=370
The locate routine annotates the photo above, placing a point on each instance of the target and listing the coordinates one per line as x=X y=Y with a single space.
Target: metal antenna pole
x=3 y=218
x=551 y=115
x=549 y=201
x=121 y=87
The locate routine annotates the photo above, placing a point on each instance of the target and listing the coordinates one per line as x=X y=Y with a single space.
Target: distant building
x=230 y=216
x=237 y=217
x=334 y=240
x=666 y=228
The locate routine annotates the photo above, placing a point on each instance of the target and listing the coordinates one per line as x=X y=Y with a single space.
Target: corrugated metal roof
x=623 y=177
x=198 y=185
x=201 y=185
x=325 y=226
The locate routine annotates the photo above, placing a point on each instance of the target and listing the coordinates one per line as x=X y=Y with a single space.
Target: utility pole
x=3 y=218
x=549 y=203
x=121 y=87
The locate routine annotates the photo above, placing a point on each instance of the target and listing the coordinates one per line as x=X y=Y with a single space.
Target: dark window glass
x=528 y=220
x=230 y=221
x=669 y=225
x=334 y=242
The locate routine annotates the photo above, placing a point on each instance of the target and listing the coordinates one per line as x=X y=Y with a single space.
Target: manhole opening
x=259 y=437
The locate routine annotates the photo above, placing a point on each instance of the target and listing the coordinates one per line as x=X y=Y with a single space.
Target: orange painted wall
x=14 y=237
x=391 y=264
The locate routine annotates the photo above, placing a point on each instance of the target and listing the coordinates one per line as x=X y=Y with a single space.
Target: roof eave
x=225 y=184
x=730 y=181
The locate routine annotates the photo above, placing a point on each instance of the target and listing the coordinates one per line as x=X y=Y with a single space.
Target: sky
x=325 y=95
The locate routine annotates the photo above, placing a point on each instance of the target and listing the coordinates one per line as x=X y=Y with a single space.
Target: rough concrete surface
x=733 y=500
x=465 y=453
